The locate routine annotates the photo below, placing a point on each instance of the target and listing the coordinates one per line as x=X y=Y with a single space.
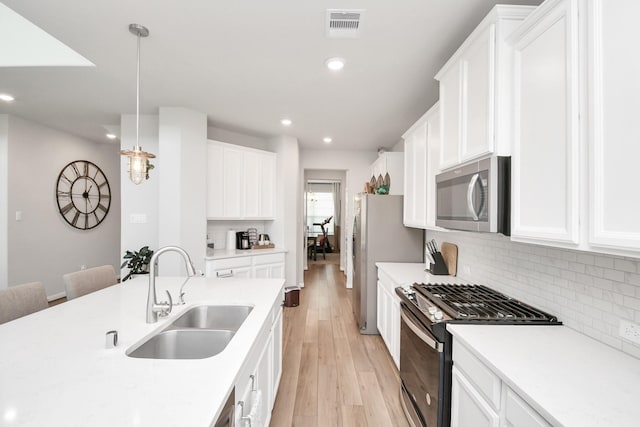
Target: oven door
x=421 y=372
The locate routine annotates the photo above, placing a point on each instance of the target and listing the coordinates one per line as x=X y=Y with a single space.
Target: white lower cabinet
x=257 y=384
x=468 y=407
x=389 y=315
x=480 y=398
x=268 y=266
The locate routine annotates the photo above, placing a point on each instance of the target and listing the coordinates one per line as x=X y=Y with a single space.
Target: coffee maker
x=242 y=240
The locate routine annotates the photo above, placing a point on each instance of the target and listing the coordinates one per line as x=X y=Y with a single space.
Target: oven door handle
x=431 y=342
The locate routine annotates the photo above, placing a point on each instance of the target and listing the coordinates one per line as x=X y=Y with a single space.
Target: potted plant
x=137 y=262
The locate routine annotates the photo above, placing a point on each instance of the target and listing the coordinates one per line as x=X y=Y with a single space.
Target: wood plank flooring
x=333 y=375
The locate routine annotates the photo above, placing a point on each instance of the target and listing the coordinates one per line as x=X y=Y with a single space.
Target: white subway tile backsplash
x=588 y=292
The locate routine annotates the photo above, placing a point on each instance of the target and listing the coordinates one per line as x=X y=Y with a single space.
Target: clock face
x=83 y=194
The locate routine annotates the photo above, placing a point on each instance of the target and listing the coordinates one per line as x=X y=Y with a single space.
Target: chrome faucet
x=154 y=308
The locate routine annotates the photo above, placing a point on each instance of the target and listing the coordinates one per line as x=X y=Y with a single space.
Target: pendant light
x=139 y=165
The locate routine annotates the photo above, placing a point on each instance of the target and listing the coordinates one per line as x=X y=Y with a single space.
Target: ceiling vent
x=344 y=23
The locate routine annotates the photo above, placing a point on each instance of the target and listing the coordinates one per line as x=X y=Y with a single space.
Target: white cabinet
x=257 y=384
x=474 y=112
x=468 y=407
x=480 y=398
x=420 y=144
x=613 y=126
x=545 y=169
x=264 y=266
x=388 y=304
x=391 y=163
x=240 y=182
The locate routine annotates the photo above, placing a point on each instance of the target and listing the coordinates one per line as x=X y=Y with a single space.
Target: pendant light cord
x=138 y=97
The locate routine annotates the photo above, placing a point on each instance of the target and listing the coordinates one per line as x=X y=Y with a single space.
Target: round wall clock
x=83 y=194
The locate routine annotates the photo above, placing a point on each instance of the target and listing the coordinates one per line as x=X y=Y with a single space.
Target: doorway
x=323 y=212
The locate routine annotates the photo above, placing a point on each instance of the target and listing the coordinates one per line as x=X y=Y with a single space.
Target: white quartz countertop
x=55 y=369
x=213 y=254
x=405 y=273
x=569 y=378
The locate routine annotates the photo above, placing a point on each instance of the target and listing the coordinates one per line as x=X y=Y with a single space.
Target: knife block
x=440 y=267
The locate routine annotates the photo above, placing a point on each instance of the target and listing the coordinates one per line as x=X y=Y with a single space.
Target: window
x=319 y=208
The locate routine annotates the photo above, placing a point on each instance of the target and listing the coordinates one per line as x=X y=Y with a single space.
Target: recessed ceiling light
x=111 y=136
x=6 y=97
x=286 y=122
x=335 y=64
x=327 y=140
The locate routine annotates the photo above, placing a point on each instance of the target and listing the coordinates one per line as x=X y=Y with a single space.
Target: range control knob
x=432 y=310
x=438 y=315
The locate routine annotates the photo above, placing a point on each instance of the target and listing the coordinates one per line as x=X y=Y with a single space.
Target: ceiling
x=246 y=64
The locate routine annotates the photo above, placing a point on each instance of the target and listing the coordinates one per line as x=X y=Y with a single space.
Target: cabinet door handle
x=221 y=274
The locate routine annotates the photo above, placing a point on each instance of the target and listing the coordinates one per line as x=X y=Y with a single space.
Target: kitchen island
x=55 y=368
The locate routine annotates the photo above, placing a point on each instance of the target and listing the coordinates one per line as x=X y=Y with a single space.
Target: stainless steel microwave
x=476 y=197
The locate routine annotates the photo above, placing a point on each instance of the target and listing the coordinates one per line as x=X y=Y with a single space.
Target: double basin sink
x=200 y=332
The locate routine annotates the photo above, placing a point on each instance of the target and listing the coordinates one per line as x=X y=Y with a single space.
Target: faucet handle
x=166 y=306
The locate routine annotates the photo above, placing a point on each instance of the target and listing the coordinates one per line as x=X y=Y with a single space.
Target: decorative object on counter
x=437 y=267
x=253 y=236
x=450 y=255
x=137 y=262
x=139 y=165
x=266 y=246
x=382 y=190
x=210 y=243
x=387 y=180
x=263 y=239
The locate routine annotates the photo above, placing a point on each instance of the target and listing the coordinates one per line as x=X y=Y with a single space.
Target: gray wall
x=43 y=247
x=588 y=292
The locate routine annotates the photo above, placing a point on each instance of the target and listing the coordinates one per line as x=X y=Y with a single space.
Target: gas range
x=426 y=346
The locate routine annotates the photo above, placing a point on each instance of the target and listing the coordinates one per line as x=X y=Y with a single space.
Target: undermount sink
x=184 y=344
x=200 y=332
x=228 y=317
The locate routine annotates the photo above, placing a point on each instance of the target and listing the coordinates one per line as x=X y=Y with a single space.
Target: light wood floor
x=332 y=375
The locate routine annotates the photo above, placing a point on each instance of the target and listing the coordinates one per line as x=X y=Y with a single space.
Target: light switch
x=18 y=215
x=138 y=218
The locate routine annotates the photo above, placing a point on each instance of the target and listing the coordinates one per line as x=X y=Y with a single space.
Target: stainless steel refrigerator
x=378 y=236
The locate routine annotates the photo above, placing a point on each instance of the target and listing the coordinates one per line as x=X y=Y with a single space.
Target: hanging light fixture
x=139 y=165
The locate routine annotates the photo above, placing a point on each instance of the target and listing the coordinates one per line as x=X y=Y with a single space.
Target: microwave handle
x=470 y=189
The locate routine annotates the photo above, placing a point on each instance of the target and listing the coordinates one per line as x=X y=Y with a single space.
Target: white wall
x=43 y=246
x=357 y=166
x=588 y=292
x=183 y=180
x=139 y=199
x=287 y=227
x=4 y=199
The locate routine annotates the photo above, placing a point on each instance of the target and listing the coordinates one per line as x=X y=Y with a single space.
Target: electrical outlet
x=630 y=331
x=83 y=267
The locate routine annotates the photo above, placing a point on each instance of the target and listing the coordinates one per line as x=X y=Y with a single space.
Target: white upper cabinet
x=240 y=182
x=545 y=170
x=614 y=128
x=474 y=112
x=420 y=170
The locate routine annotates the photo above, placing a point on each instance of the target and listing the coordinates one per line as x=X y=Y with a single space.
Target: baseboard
x=56 y=296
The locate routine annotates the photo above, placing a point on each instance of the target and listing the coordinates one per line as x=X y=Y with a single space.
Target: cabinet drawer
x=268 y=259
x=221 y=264
x=485 y=381
x=519 y=413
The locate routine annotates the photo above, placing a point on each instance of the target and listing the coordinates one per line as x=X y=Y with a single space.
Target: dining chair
x=20 y=300
x=84 y=282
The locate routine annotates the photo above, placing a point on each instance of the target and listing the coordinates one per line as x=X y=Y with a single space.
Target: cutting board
x=450 y=254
